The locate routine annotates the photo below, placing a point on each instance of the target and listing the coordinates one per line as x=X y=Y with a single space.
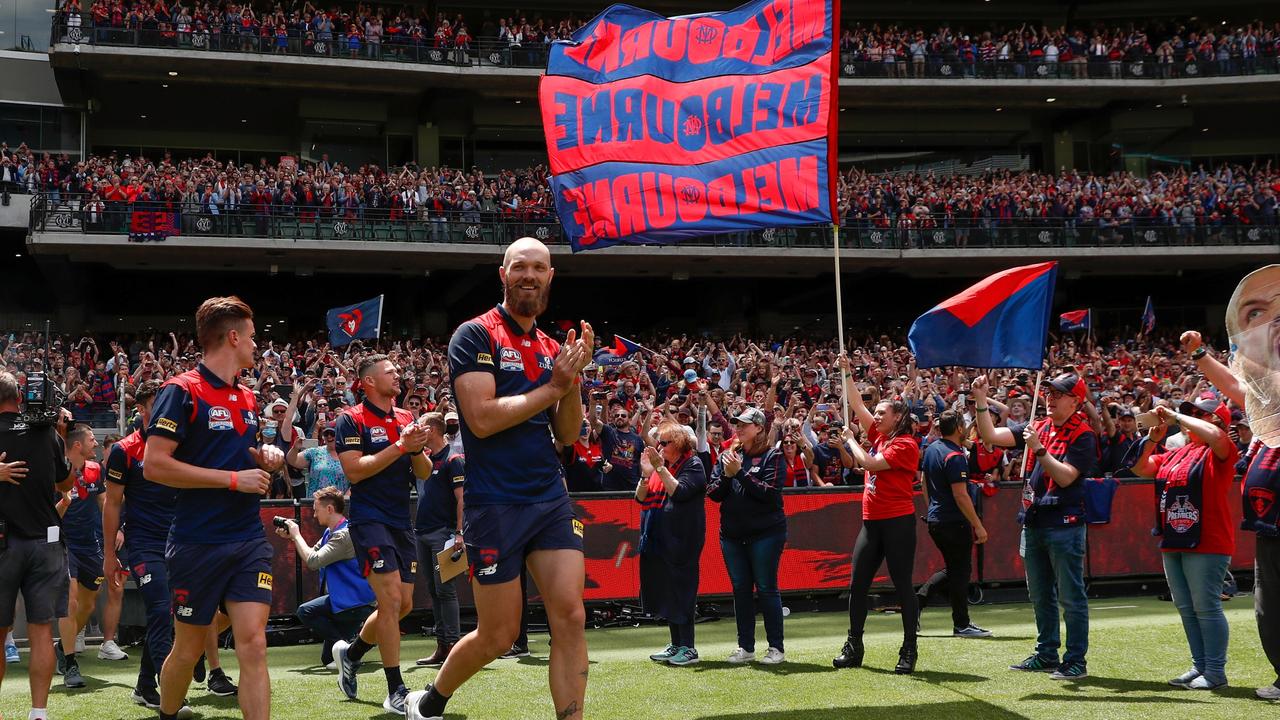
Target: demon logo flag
x=663 y=129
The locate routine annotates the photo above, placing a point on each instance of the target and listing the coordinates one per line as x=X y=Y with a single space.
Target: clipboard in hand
x=448 y=566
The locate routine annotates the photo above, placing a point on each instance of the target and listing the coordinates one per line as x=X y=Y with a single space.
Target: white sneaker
x=740 y=656
x=109 y=650
x=80 y=641
x=773 y=656
x=1268 y=692
x=411 y=707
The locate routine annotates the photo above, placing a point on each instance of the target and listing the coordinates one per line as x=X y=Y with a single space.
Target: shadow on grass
x=787 y=668
x=1122 y=690
x=932 y=677
x=959 y=710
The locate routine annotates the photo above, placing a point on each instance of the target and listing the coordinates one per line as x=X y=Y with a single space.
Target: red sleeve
x=902 y=453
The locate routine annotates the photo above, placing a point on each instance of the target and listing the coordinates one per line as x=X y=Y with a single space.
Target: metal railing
x=1145 y=68
x=77 y=30
x=335 y=45
x=149 y=221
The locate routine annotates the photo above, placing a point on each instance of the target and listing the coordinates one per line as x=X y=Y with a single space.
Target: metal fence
x=1147 y=68
x=335 y=45
x=79 y=29
x=61 y=213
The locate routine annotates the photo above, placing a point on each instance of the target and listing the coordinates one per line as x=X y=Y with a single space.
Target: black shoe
x=147 y=697
x=198 y=673
x=907 y=656
x=220 y=684
x=516 y=651
x=850 y=654
x=72 y=678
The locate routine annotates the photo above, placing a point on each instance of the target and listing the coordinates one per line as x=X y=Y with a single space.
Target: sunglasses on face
x=664 y=443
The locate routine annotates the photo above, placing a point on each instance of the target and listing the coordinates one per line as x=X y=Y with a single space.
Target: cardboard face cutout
x=1253 y=324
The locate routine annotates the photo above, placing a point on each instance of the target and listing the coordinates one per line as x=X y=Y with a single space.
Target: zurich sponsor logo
x=220 y=418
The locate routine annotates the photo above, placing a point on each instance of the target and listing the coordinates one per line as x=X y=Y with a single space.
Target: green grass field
x=1137 y=643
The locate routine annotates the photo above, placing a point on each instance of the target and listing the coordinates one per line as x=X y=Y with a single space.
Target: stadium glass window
x=41 y=127
x=24 y=24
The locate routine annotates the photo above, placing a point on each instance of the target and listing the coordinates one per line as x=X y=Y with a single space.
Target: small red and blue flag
x=1148 y=317
x=999 y=323
x=623 y=347
x=1075 y=320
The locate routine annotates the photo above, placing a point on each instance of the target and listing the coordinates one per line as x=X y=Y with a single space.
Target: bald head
x=526 y=278
x=528 y=249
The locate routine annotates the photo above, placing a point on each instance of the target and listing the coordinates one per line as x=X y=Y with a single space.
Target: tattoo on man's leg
x=569 y=711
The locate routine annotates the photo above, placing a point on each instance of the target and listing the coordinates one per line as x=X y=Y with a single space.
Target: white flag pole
x=844 y=380
x=1035 y=403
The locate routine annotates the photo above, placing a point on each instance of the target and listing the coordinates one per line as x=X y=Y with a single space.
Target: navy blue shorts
x=500 y=537
x=203 y=578
x=384 y=549
x=147 y=567
x=84 y=565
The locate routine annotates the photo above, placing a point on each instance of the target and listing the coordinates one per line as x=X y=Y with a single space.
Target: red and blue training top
x=383 y=497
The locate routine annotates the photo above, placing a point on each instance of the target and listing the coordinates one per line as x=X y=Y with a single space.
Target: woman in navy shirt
x=673 y=527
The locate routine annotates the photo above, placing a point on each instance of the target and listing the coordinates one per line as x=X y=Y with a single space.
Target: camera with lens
x=42 y=400
x=280 y=522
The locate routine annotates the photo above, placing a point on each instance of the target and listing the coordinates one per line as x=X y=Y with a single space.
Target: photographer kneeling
x=33 y=559
x=340 y=613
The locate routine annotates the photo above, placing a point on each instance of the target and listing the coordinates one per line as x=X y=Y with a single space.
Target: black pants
x=955 y=541
x=1266 y=598
x=681 y=634
x=892 y=540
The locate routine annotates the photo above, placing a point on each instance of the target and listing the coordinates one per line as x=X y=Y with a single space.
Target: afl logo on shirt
x=377 y=434
x=220 y=418
x=510 y=360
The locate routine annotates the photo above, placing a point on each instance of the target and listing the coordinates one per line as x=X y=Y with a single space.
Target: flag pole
x=844 y=380
x=377 y=333
x=1035 y=403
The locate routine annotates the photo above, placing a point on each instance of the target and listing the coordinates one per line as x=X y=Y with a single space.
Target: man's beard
x=519 y=303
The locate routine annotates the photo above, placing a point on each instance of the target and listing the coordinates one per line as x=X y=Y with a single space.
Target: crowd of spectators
x=1115 y=204
x=359 y=31
x=693 y=381
x=1079 y=51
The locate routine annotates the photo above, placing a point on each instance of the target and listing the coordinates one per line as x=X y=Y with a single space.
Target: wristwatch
x=1041 y=452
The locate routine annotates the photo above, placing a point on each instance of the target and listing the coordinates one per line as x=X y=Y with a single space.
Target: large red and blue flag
x=1148 y=317
x=999 y=323
x=354 y=322
x=663 y=129
x=1075 y=320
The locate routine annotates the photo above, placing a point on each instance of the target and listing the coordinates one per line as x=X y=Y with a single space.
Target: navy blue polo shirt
x=148 y=506
x=215 y=426
x=82 y=523
x=944 y=465
x=384 y=497
x=437 y=506
x=519 y=465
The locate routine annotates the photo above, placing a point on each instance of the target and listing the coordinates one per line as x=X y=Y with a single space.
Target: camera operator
x=34 y=472
x=338 y=614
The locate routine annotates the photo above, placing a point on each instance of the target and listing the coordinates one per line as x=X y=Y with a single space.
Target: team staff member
x=1197 y=535
x=380 y=447
x=82 y=530
x=34 y=472
x=1261 y=514
x=440 y=524
x=953 y=521
x=518 y=394
x=348 y=599
x=1053 y=530
x=888 y=533
x=673 y=527
x=203 y=440
x=753 y=530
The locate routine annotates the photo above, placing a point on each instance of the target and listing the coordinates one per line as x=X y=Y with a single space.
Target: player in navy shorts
x=516 y=389
x=380 y=447
x=203 y=439
x=82 y=531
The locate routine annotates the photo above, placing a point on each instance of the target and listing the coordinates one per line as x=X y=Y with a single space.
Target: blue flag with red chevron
x=1148 y=317
x=1075 y=320
x=999 y=323
x=663 y=129
x=353 y=322
x=623 y=347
